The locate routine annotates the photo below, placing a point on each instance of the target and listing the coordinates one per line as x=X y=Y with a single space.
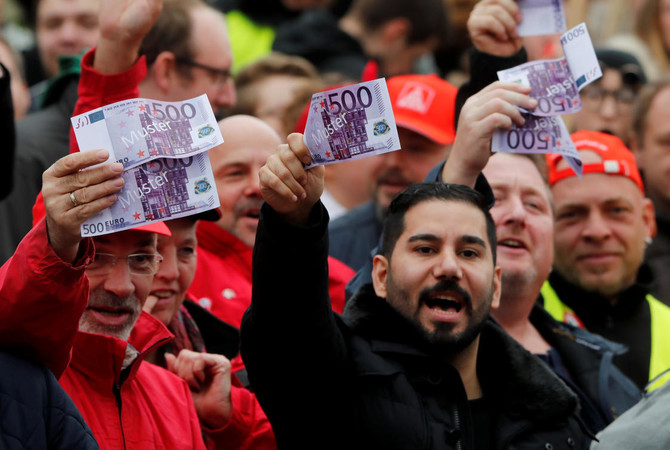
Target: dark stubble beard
x=443 y=339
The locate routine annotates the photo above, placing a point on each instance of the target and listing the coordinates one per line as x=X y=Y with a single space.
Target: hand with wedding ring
x=72 y=196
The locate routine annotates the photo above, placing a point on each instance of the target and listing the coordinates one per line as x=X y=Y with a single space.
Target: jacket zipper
x=117 y=394
x=457 y=422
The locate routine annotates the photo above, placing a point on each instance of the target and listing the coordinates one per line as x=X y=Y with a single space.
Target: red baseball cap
x=155 y=227
x=39 y=212
x=617 y=159
x=425 y=104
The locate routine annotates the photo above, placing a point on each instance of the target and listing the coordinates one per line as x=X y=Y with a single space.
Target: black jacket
x=316 y=36
x=367 y=379
x=42 y=138
x=35 y=412
x=8 y=133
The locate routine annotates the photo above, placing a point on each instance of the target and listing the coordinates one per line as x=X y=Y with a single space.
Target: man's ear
x=636 y=149
x=164 y=71
x=649 y=218
x=395 y=30
x=380 y=268
x=497 y=288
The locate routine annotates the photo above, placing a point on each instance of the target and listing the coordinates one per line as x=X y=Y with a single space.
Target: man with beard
x=414 y=362
x=76 y=309
x=423 y=106
x=222 y=282
x=525 y=227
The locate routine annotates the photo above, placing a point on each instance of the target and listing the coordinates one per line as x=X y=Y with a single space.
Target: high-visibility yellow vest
x=660 y=330
x=249 y=41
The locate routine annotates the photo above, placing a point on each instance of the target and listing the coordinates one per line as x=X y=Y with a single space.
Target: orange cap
x=617 y=159
x=425 y=104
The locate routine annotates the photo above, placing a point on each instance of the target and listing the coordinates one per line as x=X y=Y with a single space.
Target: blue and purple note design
x=351 y=122
x=162 y=189
x=539 y=135
x=555 y=84
x=163 y=147
x=138 y=130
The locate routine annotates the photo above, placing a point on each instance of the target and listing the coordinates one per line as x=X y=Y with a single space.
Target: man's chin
x=386 y=192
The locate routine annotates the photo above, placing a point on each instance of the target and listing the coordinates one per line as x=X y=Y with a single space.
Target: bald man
x=222 y=280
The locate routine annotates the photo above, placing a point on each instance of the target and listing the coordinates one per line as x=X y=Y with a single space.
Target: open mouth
x=444 y=303
x=511 y=243
x=111 y=316
x=252 y=213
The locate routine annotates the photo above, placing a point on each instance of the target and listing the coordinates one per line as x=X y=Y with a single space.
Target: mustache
x=447 y=285
x=104 y=299
x=246 y=204
x=392 y=176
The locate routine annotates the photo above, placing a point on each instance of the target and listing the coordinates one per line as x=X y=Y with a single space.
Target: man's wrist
x=113 y=57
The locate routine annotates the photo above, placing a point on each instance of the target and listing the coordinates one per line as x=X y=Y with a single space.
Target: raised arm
x=292 y=345
x=492 y=26
x=43 y=288
x=113 y=70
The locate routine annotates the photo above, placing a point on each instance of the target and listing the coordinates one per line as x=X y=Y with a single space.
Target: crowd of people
x=440 y=296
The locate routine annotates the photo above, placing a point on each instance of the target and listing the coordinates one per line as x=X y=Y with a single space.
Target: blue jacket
x=588 y=359
x=35 y=412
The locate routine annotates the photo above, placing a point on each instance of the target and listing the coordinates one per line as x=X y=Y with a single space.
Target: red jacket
x=142 y=406
x=142 y=392
x=222 y=280
x=41 y=300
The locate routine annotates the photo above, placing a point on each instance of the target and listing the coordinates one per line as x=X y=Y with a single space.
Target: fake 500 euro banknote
x=139 y=130
x=351 y=122
x=541 y=17
x=539 y=135
x=556 y=83
x=162 y=189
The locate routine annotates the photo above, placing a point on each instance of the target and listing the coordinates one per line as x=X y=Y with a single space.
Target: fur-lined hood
x=510 y=376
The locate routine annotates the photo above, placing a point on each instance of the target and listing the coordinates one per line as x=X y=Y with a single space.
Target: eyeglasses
x=138 y=263
x=594 y=95
x=222 y=75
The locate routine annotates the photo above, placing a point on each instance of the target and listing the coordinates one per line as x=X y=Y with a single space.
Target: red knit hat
x=617 y=159
x=425 y=104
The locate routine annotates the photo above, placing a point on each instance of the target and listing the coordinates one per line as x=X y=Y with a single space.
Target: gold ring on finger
x=74 y=200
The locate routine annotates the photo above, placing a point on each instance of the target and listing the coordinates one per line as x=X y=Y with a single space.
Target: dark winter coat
x=369 y=381
x=35 y=412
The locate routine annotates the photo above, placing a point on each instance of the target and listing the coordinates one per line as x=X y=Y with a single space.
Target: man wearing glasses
x=607 y=104
x=187 y=54
x=61 y=293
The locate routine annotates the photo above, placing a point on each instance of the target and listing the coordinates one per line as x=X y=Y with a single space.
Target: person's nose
x=253 y=187
x=68 y=33
x=225 y=96
x=118 y=280
x=609 y=108
x=596 y=227
x=513 y=211
x=447 y=267
x=168 y=269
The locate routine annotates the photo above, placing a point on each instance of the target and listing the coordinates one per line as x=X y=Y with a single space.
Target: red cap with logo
x=617 y=159
x=425 y=104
